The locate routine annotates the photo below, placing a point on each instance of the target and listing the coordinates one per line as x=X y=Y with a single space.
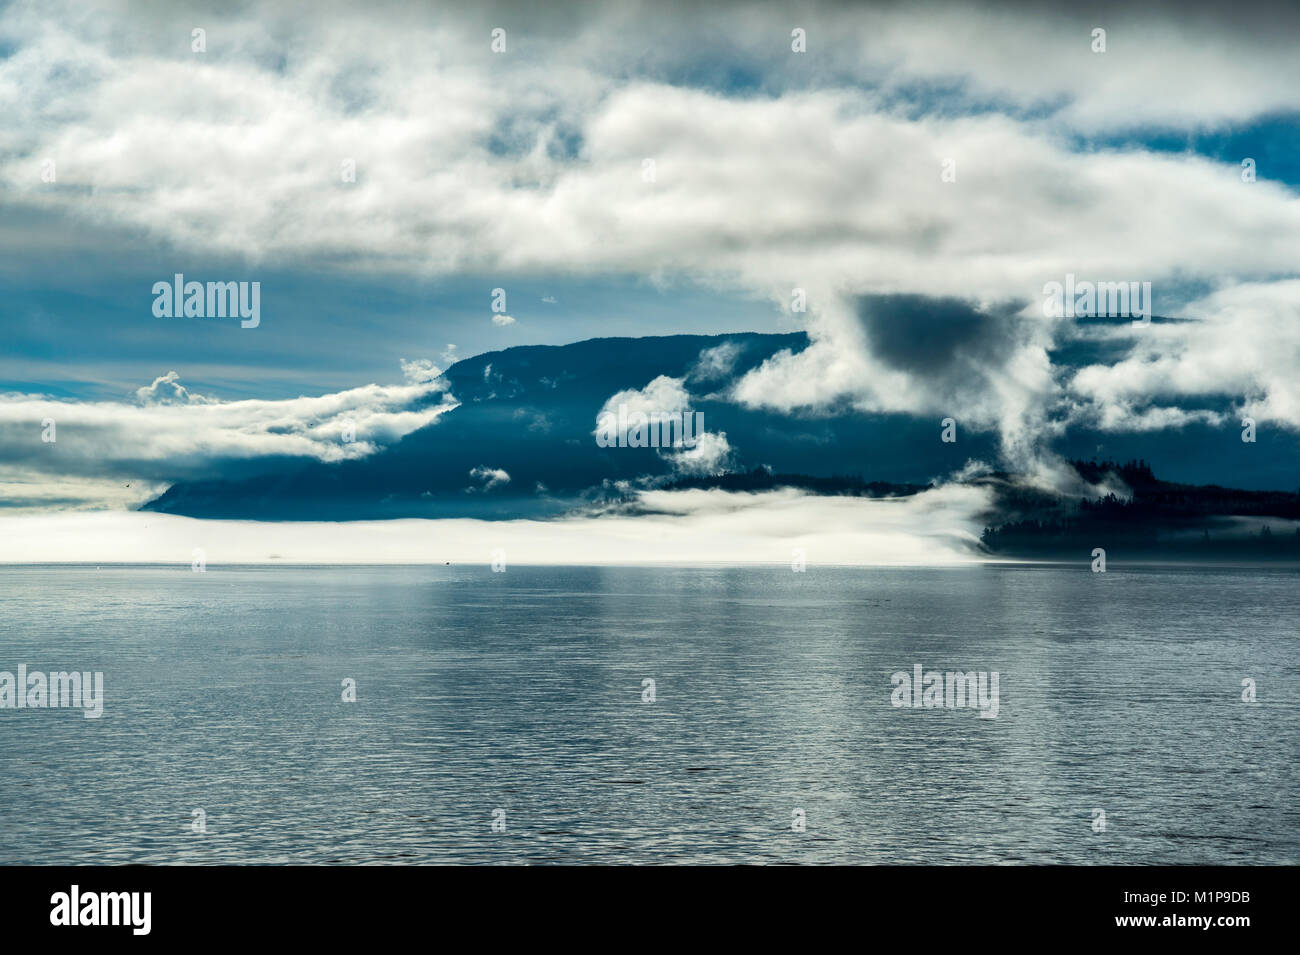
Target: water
x=522 y=691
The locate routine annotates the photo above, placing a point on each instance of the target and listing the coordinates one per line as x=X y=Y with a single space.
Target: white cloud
x=709 y=455
x=502 y=320
x=488 y=478
x=710 y=451
x=690 y=527
x=663 y=395
x=1244 y=343
x=101 y=445
x=419 y=370
x=833 y=187
x=167 y=389
x=716 y=362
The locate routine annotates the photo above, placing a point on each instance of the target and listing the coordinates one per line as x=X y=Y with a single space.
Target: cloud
x=684 y=528
x=29 y=490
x=167 y=389
x=716 y=362
x=709 y=452
x=1243 y=347
x=825 y=182
x=937 y=336
x=488 y=478
x=662 y=395
x=986 y=367
x=710 y=455
x=419 y=370
x=173 y=434
x=502 y=320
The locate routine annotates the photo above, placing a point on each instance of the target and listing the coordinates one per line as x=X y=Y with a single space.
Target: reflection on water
x=523 y=691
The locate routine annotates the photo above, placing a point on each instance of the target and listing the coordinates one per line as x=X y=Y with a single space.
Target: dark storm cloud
x=927 y=335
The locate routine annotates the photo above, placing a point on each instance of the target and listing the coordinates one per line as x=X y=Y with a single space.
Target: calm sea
x=524 y=692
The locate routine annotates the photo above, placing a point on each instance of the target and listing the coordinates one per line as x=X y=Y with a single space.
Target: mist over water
x=523 y=691
x=936 y=526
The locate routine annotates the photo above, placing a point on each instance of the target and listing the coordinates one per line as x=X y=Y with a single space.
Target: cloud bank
x=695 y=527
x=80 y=453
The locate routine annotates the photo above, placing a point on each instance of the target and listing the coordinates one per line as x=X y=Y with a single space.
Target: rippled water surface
x=523 y=691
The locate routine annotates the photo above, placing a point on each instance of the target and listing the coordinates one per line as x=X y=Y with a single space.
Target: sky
x=916 y=174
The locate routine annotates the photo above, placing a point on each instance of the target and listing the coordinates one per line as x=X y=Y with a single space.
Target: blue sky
x=79 y=324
